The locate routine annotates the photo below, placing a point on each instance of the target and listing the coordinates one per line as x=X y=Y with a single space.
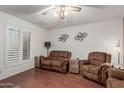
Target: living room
x=30 y=33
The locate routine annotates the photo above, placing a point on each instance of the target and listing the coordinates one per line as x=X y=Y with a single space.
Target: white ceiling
x=88 y=14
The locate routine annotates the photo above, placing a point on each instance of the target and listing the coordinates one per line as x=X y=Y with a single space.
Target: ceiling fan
x=61 y=10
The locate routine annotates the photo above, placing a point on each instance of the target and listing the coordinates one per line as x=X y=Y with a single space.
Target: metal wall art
x=63 y=37
x=80 y=36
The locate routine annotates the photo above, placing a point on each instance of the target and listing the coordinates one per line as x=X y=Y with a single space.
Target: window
x=17 y=45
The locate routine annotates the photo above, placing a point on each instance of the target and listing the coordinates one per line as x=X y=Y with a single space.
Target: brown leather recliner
x=116 y=79
x=96 y=66
x=56 y=61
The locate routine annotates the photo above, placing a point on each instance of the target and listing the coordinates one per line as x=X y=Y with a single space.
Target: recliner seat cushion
x=90 y=68
x=46 y=62
x=57 y=63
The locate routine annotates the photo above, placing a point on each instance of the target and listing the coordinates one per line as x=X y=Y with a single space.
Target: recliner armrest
x=65 y=61
x=106 y=65
x=115 y=83
x=114 y=73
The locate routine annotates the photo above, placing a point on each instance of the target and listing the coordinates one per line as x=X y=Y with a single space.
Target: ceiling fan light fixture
x=66 y=13
x=62 y=10
x=62 y=16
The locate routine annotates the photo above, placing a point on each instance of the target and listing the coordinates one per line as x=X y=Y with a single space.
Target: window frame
x=21 y=61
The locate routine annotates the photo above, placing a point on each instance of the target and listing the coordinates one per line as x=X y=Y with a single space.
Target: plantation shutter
x=17 y=45
x=14 y=52
x=26 y=45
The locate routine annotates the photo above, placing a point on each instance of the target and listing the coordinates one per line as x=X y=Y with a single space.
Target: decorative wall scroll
x=80 y=36
x=63 y=37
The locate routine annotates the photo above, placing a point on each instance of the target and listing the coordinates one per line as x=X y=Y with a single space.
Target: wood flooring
x=38 y=78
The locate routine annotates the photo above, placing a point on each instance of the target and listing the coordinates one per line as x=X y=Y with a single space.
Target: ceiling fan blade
x=75 y=8
x=48 y=11
x=95 y=6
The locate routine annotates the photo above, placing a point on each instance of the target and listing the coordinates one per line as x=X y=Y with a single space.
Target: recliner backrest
x=97 y=58
x=56 y=54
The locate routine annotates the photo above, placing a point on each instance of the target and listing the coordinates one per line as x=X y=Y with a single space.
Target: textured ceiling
x=88 y=14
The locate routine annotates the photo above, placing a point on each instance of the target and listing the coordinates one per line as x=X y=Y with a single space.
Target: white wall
x=102 y=36
x=38 y=36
